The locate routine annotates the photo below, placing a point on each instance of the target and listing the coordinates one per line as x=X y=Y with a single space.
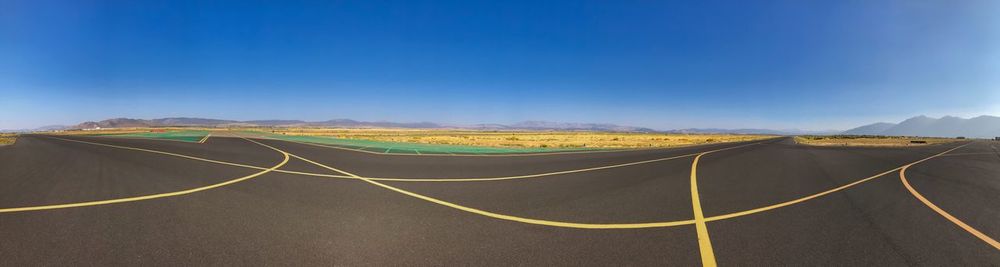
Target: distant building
x=996 y=138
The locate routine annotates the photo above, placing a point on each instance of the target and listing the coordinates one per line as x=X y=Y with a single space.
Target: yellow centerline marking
x=477 y=179
x=820 y=194
x=523 y=219
x=945 y=214
x=503 y=155
x=704 y=242
x=536 y=221
x=153 y=196
x=502 y=216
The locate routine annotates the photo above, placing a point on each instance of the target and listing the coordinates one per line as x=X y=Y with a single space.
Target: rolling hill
x=947 y=126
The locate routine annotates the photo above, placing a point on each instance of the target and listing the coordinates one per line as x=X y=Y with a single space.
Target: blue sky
x=660 y=64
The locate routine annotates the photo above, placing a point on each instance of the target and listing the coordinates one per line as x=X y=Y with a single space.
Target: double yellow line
x=372 y=181
x=544 y=222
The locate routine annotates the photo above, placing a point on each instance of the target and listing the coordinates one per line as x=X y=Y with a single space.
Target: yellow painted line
x=503 y=216
x=508 y=155
x=479 y=179
x=164 y=153
x=515 y=177
x=545 y=222
x=522 y=219
x=704 y=242
x=202 y=141
x=536 y=221
x=820 y=194
x=148 y=197
x=945 y=214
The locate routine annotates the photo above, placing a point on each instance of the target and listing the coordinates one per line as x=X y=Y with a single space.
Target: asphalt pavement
x=74 y=200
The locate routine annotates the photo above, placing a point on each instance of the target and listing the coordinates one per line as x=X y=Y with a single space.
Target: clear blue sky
x=661 y=64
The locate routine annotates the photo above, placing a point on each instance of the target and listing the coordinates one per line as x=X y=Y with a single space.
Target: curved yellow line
x=943 y=213
x=479 y=179
x=704 y=241
x=498 y=155
x=504 y=216
x=611 y=225
x=820 y=194
x=165 y=153
x=529 y=220
x=153 y=196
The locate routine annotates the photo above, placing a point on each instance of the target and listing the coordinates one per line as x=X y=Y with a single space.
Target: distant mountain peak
x=947 y=126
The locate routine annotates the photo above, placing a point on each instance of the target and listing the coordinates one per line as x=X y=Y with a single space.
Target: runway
x=244 y=200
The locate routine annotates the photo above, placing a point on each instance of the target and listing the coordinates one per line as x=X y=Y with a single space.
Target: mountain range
x=947 y=126
x=347 y=123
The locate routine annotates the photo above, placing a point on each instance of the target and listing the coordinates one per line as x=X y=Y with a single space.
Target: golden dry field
x=867 y=140
x=7 y=139
x=525 y=139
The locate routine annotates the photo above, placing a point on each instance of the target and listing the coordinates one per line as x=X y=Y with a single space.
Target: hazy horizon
x=791 y=130
x=778 y=65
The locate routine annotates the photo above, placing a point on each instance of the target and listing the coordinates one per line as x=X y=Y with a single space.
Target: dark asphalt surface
x=288 y=219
